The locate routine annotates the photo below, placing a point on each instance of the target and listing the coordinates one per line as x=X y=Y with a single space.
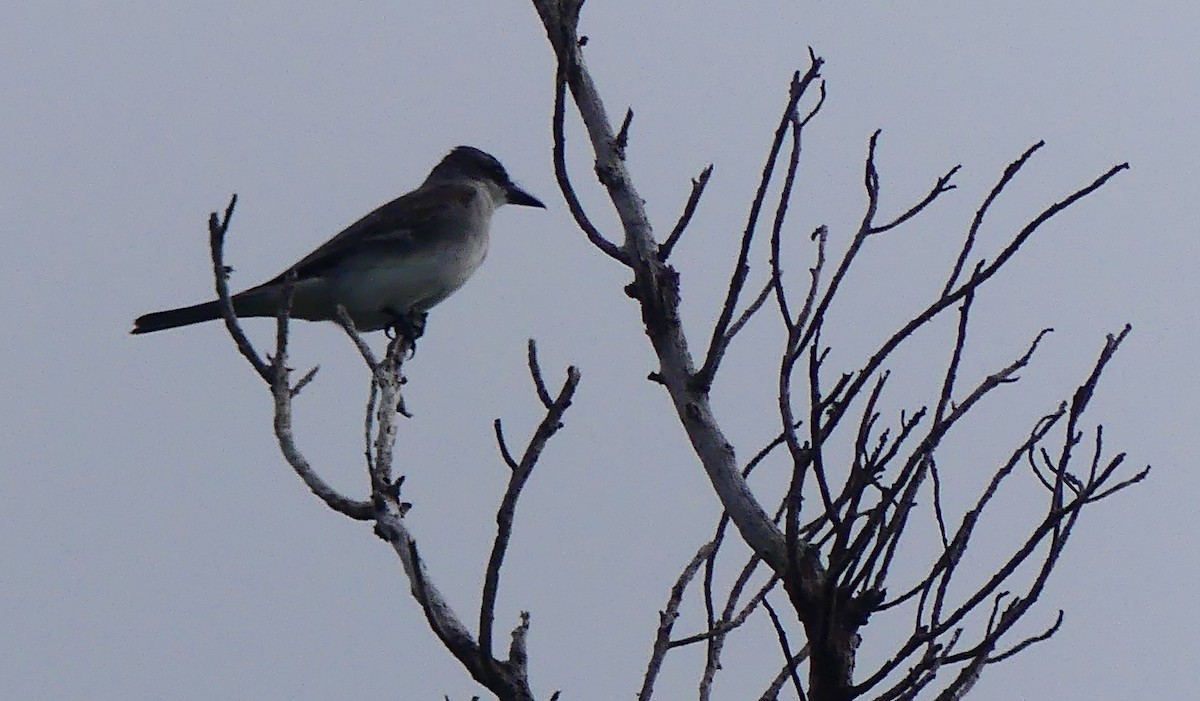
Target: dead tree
x=832 y=540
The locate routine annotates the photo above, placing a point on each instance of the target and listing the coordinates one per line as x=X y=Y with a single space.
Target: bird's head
x=472 y=163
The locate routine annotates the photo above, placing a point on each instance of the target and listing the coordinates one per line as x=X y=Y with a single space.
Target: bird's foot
x=409 y=327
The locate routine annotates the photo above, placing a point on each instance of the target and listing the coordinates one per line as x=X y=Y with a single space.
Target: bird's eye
x=495 y=170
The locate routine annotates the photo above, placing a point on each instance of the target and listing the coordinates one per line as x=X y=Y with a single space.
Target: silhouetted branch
x=276 y=373
x=666 y=621
x=772 y=691
x=217 y=228
x=689 y=209
x=507 y=679
x=972 y=232
x=784 y=645
x=731 y=622
x=535 y=373
x=521 y=471
x=564 y=183
x=1032 y=640
x=1054 y=530
x=655 y=285
x=503 y=445
x=941 y=186
x=719 y=341
x=785 y=196
x=837 y=566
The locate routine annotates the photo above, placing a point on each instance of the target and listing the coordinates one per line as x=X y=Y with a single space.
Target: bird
x=390 y=267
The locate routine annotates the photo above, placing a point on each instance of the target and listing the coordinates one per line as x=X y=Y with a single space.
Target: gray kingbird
x=394 y=264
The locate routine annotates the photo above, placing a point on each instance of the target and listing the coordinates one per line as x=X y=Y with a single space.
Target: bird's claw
x=409 y=327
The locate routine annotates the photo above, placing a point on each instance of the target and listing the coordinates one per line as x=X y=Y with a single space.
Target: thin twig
x=689 y=209
x=276 y=375
x=535 y=371
x=719 y=342
x=546 y=429
x=564 y=179
x=781 y=635
x=1009 y=173
x=785 y=195
x=942 y=185
x=503 y=445
x=217 y=228
x=666 y=621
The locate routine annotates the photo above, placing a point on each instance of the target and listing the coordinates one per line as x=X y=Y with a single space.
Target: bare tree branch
x=507 y=679
x=781 y=634
x=1009 y=173
x=275 y=374
x=655 y=285
x=719 y=342
x=546 y=429
x=689 y=209
x=217 y=228
x=666 y=621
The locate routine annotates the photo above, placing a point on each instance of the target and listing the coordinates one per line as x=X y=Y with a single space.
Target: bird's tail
x=172 y=318
x=259 y=301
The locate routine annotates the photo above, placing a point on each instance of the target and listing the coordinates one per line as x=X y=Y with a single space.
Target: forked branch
x=507 y=679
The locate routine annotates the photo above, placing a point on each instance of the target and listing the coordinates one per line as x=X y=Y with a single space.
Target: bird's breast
x=413 y=281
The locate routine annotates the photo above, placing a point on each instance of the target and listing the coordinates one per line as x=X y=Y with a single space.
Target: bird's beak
x=516 y=195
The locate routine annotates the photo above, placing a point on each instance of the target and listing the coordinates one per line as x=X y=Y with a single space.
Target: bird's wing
x=407 y=224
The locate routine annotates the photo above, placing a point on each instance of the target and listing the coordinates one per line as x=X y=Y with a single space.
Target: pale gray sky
x=155 y=546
